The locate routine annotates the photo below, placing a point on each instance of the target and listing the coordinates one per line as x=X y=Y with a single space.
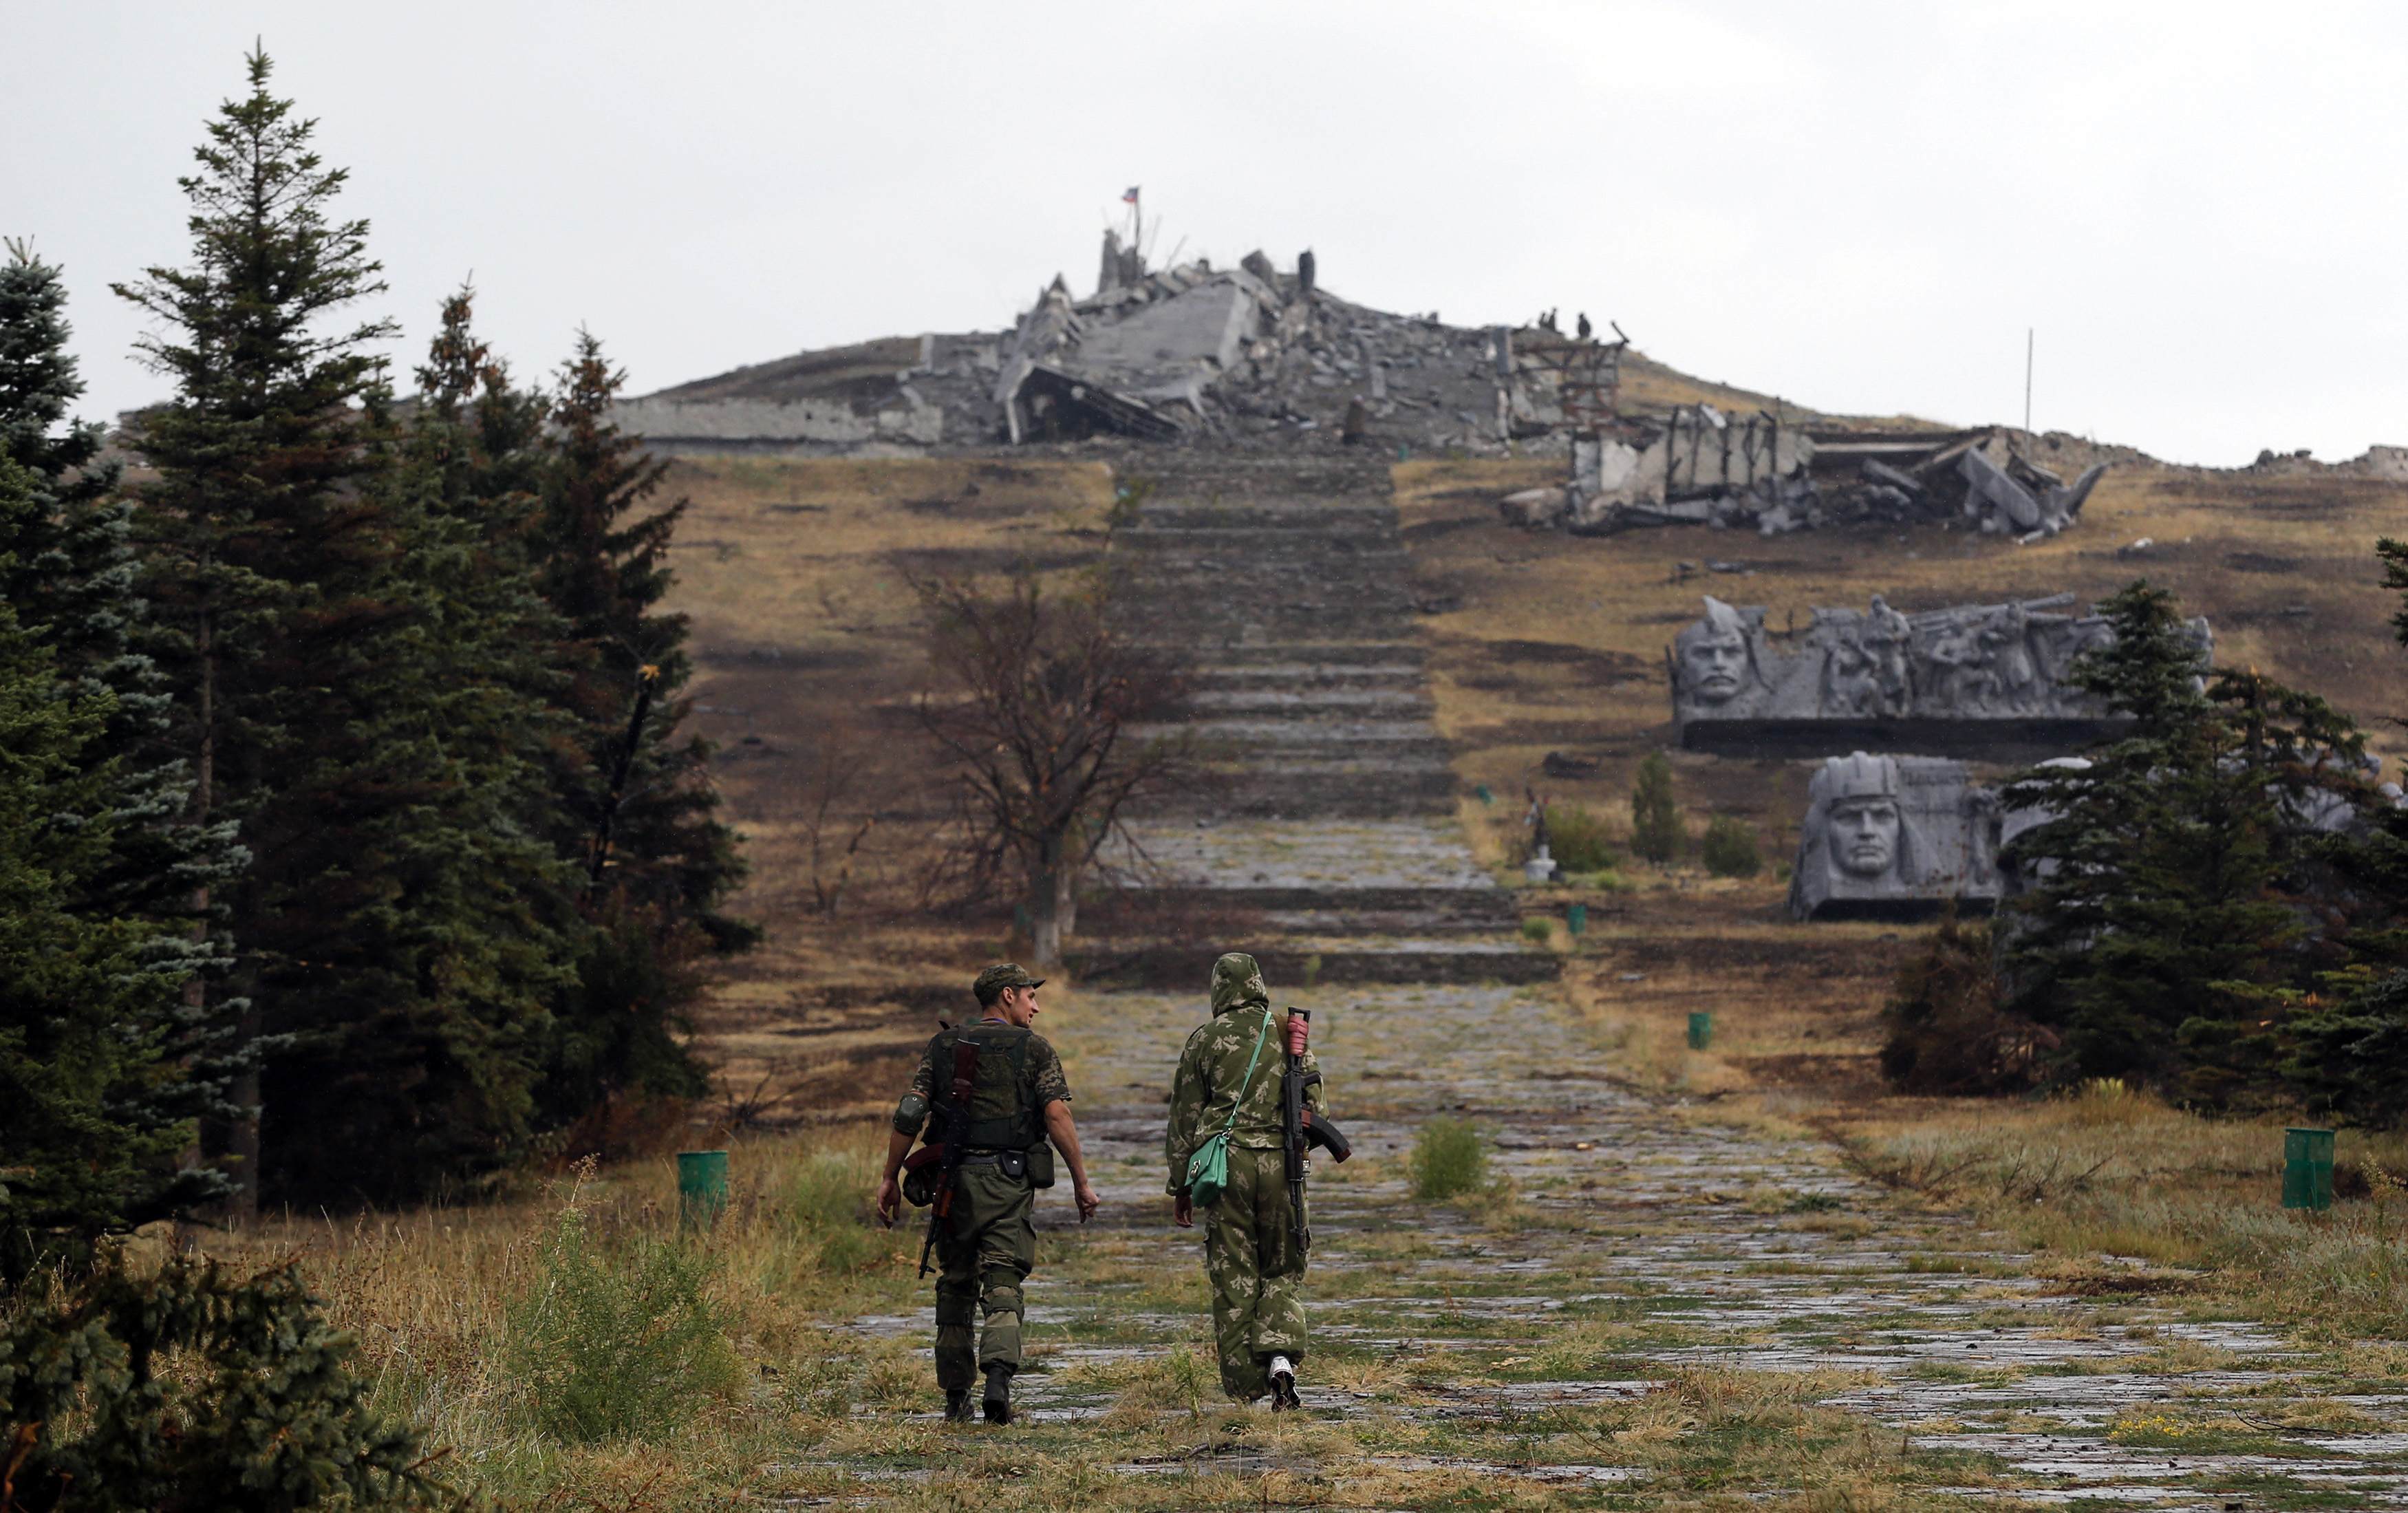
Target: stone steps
x=1321 y=834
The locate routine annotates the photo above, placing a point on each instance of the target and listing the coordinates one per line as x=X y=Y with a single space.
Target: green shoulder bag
x=1207 y=1170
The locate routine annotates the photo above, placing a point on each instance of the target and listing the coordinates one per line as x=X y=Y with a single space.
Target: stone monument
x=1894 y=838
x=1975 y=681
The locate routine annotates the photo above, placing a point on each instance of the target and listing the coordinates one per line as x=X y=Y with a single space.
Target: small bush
x=1656 y=833
x=1537 y=928
x=1947 y=1033
x=614 y=1339
x=1176 y=1379
x=1728 y=849
x=1448 y=1160
x=193 y=1388
x=1577 y=839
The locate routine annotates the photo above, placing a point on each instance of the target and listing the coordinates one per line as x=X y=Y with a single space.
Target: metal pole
x=2028 y=370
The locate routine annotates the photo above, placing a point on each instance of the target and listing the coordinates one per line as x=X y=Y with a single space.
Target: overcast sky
x=2197 y=206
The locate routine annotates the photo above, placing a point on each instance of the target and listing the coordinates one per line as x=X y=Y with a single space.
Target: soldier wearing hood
x=1249 y=1253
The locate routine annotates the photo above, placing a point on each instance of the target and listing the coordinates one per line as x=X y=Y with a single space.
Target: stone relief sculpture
x=1894 y=838
x=1937 y=668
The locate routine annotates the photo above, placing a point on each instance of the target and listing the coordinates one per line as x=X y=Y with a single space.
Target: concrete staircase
x=1323 y=837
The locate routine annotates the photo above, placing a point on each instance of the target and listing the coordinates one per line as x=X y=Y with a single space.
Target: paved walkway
x=1629 y=1241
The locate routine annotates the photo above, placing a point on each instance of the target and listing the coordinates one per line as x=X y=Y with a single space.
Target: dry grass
x=1557 y=642
x=823 y=1412
x=2109 y=1172
x=807 y=645
x=427 y=1295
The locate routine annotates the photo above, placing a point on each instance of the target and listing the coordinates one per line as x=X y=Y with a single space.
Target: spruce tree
x=2160 y=938
x=641 y=811
x=395 y=930
x=95 y=1109
x=107 y=1066
x=2350 y=1053
x=1656 y=833
x=77 y=578
x=259 y=551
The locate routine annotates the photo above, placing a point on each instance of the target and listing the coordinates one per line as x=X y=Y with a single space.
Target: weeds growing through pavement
x=1448 y=1160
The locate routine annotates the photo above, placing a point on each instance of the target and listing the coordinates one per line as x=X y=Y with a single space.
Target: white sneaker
x=1282 y=1374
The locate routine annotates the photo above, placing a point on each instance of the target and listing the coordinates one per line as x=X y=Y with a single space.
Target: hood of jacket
x=1236 y=982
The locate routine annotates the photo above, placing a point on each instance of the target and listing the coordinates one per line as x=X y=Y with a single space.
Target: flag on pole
x=1129 y=195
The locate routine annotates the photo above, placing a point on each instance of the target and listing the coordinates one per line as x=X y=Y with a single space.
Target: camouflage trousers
x=985 y=1249
x=1256 y=1270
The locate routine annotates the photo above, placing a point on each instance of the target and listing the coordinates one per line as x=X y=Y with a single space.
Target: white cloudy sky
x=2197 y=205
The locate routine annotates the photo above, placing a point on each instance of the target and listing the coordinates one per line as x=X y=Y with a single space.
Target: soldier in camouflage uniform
x=987 y=1244
x=1249 y=1254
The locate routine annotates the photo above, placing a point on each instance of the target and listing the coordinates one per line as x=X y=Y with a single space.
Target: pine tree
x=94 y=1108
x=260 y=553
x=116 y=1065
x=2161 y=937
x=395 y=931
x=2349 y=1055
x=1656 y=833
x=77 y=578
x=639 y=808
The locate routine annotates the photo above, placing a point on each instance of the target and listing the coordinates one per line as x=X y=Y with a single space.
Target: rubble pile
x=1247 y=354
x=1251 y=359
x=1698 y=466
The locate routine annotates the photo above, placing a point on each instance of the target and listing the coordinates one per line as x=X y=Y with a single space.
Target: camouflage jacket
x=1205 y=1086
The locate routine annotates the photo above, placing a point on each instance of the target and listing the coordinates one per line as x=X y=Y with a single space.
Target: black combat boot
x=997 y=1401
x=957 y=1406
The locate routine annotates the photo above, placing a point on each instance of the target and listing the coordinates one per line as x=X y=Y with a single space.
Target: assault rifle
x=1303 y=1130
x=944 y=1149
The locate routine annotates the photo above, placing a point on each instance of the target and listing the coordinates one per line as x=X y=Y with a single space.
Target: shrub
x=1537 y=928
x=824 y=1206
x=191 y=1388
x=1728 y=848
x=614 y=1338
x=1577 y=839
x=1656 y=833
x=1947 y=1032
x=1448 y=1160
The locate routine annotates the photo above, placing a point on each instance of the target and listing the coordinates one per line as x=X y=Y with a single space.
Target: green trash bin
x=2307 y=1168
x=1576 y=918
x=702 y=1187
x=1702 y=1031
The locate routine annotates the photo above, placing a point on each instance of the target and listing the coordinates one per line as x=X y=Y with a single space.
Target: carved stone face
x=1713 y=666
x=1864 y=836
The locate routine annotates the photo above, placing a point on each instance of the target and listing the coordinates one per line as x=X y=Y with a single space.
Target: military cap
x=992 y=982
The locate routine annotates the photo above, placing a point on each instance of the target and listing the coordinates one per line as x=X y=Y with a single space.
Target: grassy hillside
x=1550 y=643
x=796 y=574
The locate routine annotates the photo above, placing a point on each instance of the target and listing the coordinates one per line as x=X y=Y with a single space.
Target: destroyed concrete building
x=1248 y=357
x=1258 y=358
x=1984 y=682
x=1696 y=465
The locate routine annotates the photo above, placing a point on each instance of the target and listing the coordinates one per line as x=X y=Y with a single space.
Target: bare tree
x=1039 y=691
x=835 y=770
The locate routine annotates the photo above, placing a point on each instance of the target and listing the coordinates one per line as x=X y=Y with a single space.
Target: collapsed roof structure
x=1252 y=357
x=1258 y=358
x=1698 y=466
